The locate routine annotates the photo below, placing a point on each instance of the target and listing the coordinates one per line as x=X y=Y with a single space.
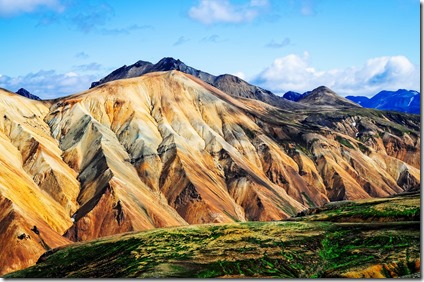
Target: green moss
x=260 y=267
x=364 y=149
x=344 y=142
x=308 y=200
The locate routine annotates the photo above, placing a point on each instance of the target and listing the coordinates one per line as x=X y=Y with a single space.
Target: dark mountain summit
x=401 y=100
x=27 y=94
x=143 y=67
x=292 y=96
x=230 y=84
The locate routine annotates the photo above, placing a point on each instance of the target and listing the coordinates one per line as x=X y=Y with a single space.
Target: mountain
x=373 y=238
x=323 y=96
x=227 y=83
x=292 y=96
x=167 y=149
x=360 y=100
x=402 y=100
x=25 y=93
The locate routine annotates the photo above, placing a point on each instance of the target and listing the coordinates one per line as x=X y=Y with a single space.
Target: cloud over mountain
x=48 y=84
x=294 y=72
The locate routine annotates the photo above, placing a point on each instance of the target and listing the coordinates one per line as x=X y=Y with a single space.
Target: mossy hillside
x=402 y=207
x=288 y=249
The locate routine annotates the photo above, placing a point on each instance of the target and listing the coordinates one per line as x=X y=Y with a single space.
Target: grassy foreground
x=373 y=238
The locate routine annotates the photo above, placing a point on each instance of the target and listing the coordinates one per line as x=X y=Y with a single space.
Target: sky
x=55 y=48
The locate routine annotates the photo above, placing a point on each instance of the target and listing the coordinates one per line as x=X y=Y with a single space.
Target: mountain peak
x=323 y=90
x=169 y=63
x=324 y=96
x=141 y=63
x=25 y=93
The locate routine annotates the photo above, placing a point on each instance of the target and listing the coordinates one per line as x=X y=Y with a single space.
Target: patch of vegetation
x=405 y=208
x=308 y=199
x=303 y=150
x=259 y=267
x=364 y=149
x=344 y=142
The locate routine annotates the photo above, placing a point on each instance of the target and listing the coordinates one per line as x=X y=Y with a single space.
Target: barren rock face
x=167 y=149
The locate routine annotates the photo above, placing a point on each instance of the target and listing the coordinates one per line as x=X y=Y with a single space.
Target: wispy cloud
x=88 y=67
x=16 y=7
x=279 y=44
x=82 y=55
x=294 y=72
x=49 y=84
x=214 y=38
x=125 y=30
x=223 y=11
x=181 y=40
x=91 y=17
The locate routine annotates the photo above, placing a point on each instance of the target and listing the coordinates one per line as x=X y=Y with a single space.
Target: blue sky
x=356 y=47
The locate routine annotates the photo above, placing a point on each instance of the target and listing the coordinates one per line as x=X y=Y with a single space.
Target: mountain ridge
x=400 y=100
x=228 y=83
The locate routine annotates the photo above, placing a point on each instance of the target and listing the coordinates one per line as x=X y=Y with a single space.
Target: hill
x=375 y=238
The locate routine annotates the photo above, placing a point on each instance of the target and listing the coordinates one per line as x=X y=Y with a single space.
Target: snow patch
x=410 y=101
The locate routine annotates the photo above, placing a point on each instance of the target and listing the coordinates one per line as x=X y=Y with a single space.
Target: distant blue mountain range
x=407 y=101
x=402 y=100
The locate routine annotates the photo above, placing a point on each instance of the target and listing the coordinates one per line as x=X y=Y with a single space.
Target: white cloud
x=14 y=7
x=240 y=74
x=215 y=11
x=49 y=84
x=294 y=72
